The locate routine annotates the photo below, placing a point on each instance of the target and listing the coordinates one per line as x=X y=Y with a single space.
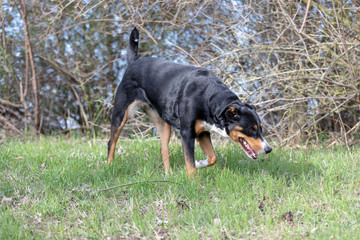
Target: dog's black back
x=175 y=90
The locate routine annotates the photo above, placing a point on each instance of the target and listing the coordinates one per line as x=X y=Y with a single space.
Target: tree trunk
x=29 y=53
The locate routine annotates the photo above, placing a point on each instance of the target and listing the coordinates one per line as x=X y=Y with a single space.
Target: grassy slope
x=48 y=189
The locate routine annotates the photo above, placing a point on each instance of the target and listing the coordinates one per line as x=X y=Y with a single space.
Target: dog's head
x=244 y=127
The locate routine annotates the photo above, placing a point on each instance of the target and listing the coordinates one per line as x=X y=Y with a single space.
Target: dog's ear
x=230 y=112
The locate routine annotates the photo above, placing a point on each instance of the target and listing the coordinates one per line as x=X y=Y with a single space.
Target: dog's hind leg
x=164 y=131
x=206 y=146
x=120 y=116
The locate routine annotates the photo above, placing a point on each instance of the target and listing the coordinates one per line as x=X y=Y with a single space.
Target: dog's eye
x=252 y=130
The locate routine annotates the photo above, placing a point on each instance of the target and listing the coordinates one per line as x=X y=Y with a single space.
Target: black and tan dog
x=190 y=99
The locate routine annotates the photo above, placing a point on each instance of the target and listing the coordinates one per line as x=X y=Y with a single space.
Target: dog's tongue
x=251 y=152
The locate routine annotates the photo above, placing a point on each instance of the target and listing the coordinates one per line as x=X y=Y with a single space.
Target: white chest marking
x=212 y=128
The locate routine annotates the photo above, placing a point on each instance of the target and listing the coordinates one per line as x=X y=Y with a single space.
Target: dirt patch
x=288 y=217
x=182 y=204
x=261 y=206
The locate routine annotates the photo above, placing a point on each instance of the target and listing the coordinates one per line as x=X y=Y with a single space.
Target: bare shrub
x=301 y=72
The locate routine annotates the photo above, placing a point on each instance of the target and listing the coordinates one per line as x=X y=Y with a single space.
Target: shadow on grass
x=277 y=165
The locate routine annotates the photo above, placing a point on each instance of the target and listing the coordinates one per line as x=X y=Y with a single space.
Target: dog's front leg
x=188 y=142
x=206 y=145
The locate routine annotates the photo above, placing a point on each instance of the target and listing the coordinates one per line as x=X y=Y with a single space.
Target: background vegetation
x=298 y=61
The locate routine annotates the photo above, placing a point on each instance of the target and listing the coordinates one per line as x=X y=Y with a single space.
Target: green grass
x=49 y=189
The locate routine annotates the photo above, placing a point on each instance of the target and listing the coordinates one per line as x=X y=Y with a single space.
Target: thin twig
x=133 y=183
x=183 y=50
x=146 y=181
x=306 y=13
x=159 y=165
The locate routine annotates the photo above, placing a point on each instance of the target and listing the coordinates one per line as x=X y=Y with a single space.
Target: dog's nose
x=268 y=149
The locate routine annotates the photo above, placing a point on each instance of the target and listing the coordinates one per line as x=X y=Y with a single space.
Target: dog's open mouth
x=247 y=148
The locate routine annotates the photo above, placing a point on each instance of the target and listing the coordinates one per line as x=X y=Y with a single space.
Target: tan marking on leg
x=206 y=146
x=190 y=168
x=199 y=128
x=164 y=131
x=115 y=133
x=114 y=137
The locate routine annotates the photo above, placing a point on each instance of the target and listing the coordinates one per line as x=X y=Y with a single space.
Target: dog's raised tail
x=132 y=51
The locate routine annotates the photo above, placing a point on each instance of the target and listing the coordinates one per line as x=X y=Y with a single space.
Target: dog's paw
x=169 y=172
x=201 y=163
